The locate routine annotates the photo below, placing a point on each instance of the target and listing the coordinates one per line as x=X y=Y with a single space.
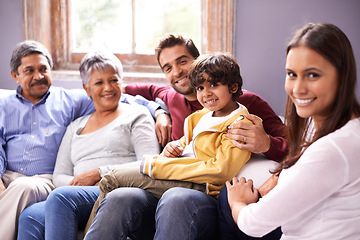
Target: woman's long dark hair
x=332 y=44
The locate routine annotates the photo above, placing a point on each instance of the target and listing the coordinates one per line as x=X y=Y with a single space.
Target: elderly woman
x=116 y=134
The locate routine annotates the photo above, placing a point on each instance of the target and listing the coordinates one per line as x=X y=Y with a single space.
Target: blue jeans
x=186 y=214
x=229 y=229
x=124 y=212
x=66 y=210
x=132 y=212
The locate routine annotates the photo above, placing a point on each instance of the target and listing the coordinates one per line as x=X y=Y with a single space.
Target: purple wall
x=11 y=29
x=263 y=29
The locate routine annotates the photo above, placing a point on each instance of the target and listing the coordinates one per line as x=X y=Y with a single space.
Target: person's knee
x=182 y=200
x=32 y=221
x=177 y=201
x=59 y=197
x=175 y=196
x=179 y=197
x=129 y=201
x=31 y=216
x=195 y=213
x=126 y=196
x=28 y=188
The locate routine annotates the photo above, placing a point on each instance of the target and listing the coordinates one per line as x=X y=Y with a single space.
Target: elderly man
x=32 y=123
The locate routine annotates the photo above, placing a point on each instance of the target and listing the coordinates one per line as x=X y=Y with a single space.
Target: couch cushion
x=6 y=92
x=257 y=169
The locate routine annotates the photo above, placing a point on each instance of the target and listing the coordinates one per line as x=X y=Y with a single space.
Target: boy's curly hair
x=218 y=67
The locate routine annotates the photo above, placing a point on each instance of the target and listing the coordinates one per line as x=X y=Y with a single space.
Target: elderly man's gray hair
x=26 y=48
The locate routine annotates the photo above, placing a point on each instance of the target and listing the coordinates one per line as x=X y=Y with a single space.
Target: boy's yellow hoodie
x=217 y=158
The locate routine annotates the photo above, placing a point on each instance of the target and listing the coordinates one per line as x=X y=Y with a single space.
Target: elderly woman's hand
x=89 y=178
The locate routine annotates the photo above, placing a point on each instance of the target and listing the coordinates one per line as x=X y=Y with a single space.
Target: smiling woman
x=307 y=202
x=311 y=83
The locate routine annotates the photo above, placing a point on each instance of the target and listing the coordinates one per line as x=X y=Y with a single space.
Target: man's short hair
x=26 y=48
x=171 y=40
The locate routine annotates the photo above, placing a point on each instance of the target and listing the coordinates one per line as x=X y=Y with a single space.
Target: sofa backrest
x=6 y=92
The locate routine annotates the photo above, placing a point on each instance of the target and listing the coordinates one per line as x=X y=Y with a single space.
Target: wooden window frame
x=48 y=22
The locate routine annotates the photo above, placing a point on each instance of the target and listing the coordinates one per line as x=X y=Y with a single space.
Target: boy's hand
x=173 y=150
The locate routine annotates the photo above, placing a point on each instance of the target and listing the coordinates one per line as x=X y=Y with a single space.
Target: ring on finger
x=245 y=140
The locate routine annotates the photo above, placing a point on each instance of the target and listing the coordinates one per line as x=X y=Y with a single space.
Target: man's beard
x=183 y=92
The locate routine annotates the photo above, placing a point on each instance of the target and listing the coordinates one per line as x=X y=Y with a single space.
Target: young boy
x=205 y=155
x=204 y=158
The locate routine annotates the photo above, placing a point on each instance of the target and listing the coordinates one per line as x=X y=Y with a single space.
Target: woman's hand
x=250 y=137
x=89 y=178
x=240 y=194
x=172 y=150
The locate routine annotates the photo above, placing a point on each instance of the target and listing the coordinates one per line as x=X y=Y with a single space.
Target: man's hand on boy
x=163 y=129
x=250 y=137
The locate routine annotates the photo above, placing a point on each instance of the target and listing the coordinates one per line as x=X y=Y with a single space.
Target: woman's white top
x=318 y=197
x=118 y=144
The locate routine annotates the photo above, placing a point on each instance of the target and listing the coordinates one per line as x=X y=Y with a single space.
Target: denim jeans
x=229 y=229
x=186 y=214
x=124 y=212
x=130 y=177
x=132 y=212
x=66 y=210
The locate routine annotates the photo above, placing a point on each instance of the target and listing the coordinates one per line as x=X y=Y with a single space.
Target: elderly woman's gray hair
x=26 y=48
x=99 y=61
